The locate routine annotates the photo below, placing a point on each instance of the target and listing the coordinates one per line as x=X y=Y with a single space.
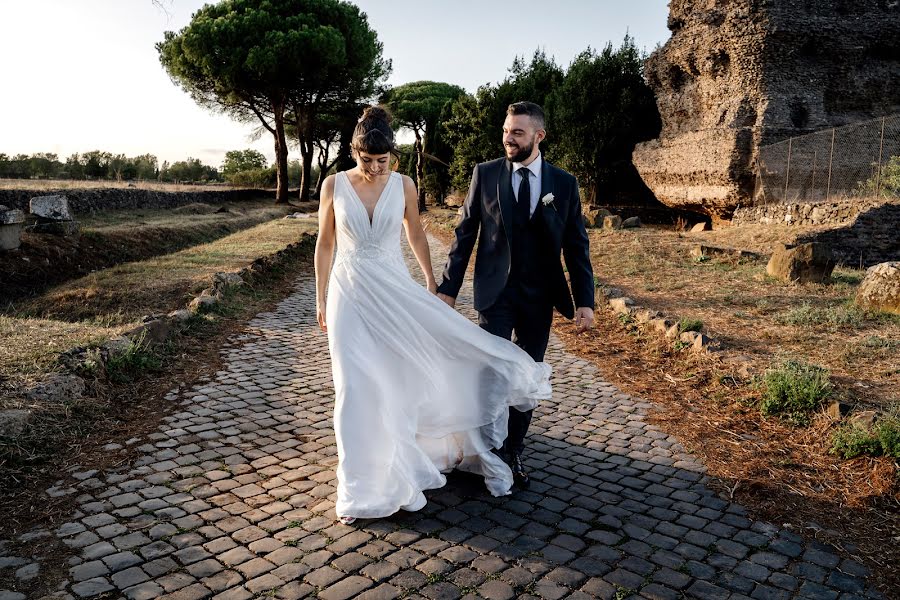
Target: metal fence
x=853 y=161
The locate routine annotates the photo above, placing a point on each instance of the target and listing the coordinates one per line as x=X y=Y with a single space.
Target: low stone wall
x=85 y=201
x=861 y=233
x=839 y=212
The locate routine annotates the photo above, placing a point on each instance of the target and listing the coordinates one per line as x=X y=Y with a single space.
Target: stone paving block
x=236 y=490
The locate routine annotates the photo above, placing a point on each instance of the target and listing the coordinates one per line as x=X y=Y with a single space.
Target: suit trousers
x=528 y=317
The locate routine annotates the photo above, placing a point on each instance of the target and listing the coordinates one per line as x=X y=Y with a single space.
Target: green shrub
x=852 y=439
x=690 y=325
x=888 y=431
x=889 y=180
x=136 y=359
x=794 y=390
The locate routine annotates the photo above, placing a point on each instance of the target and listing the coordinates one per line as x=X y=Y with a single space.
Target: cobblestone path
x=232 y=498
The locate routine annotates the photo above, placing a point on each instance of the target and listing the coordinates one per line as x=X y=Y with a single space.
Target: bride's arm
x=324 y=247
x=418 y=241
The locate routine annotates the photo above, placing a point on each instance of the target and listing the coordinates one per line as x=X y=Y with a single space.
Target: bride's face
x=373 y=166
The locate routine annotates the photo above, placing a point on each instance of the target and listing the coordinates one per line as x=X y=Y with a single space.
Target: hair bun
x=376 y=113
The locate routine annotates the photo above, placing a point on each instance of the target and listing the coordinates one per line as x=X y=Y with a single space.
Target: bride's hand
x=432 y=287
x=320 y=317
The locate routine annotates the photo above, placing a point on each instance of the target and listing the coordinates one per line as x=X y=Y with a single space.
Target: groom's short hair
x=528 y=108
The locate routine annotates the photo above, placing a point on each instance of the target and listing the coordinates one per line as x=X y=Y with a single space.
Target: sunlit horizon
x=88 y=75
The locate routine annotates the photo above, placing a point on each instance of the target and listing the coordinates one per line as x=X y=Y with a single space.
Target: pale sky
x=82 y=75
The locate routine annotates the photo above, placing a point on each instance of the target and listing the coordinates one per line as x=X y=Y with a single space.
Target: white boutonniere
x=548 y=200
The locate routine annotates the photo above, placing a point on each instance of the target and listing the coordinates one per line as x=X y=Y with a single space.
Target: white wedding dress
x=419 y=389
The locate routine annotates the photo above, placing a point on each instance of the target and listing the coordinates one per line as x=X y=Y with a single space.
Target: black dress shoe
x=520 y=475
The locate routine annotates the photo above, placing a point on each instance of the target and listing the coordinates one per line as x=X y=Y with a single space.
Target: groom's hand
x=449 y=300
x=584 y=318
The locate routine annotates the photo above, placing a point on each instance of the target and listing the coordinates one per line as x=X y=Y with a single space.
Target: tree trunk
x=281 y=155
x=420 y=169
x=323 y=172
x=306 y=153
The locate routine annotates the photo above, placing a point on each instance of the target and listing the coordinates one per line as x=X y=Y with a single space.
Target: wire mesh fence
x=861 y=160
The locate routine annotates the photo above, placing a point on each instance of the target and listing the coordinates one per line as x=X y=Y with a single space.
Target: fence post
x=830 y=161
x=812 y=187
x=787 y=175
x=880 y=158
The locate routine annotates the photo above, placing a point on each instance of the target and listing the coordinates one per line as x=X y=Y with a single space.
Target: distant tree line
x=99 y=165
x=241 y=168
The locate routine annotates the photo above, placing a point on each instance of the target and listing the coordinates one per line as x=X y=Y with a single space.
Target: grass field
x=104 y=303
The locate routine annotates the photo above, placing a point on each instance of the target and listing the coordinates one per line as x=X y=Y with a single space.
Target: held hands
x=584 y=319
x=448 y=300
x=432 y=286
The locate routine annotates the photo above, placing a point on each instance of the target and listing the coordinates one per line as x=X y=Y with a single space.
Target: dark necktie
x=524 y=198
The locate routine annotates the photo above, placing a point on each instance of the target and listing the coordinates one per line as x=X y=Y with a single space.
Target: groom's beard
x=517 y=154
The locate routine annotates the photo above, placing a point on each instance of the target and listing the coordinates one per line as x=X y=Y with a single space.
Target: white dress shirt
x=535 y=180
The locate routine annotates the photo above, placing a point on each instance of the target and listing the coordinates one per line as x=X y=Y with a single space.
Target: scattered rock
x=805 y=263
x=645 y=315
x=865 y=419
x=880 y=289
x=57 y=388
x=182 y=314
x=301 y=215
x=702 y=226
x=203 y=303
x=13 y=421
x=701 y=343
x=222 y=281
x=689 y=337
x=837 y=410
x=116 y=346
x=612 y=222
x=660 y=325
x=631 y=223
x=51 y=208
x=593 y=217
x=155 y=331
x=621 y=305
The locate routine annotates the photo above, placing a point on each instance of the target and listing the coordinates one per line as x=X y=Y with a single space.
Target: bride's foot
x=346 y=520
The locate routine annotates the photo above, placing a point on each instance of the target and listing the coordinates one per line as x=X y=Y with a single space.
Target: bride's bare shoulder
x=328 y=184
x=408 y=183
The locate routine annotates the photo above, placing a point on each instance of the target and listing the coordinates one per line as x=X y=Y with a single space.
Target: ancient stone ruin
x=738 y=74
x=53 y=216
x=11 y=221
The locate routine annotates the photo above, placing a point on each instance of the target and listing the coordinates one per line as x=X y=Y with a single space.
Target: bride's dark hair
x=373 y=133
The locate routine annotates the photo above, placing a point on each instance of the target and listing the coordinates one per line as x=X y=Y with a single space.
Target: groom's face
x=520 y=136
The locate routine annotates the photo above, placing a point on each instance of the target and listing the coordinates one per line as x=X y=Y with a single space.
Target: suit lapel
x=546 y=179
x=552 y=218
x=504 y=194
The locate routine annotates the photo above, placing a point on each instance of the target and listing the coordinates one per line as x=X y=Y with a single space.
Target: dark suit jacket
x=489 y=209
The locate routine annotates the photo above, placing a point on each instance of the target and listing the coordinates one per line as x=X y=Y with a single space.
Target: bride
x=419 y=389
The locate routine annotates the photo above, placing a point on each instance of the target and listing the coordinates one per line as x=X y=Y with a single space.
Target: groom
x=528 y=211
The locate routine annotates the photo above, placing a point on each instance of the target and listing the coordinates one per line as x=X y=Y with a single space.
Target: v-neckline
x=362 y=204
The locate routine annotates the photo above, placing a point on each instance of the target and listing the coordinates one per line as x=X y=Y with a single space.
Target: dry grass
x=51 y=185
x=104 y=303
x=753 y=315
